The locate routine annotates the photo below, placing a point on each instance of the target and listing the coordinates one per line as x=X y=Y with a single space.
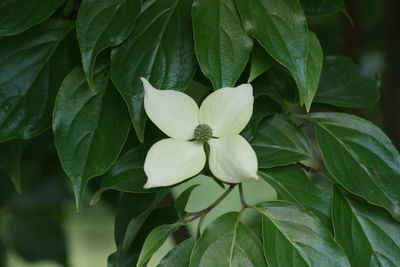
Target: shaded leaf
x=90 y=127
x=280 y=142
x=369 y=235
x=18 y=15
x=283 y=36
x=10 y=157
x=222 y=46
x=227 y=242
x=179 y=256
x=182 y=199
x=166 y=61
x=360 y=157
x=293 y=236
x=343 y=84
x=292 y=184
x=102 y=24
x=40 y=60
x=318 y=8
x=260 y=62
x=314 y=67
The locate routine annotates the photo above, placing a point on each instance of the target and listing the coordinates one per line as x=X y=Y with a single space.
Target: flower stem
x=242 y=200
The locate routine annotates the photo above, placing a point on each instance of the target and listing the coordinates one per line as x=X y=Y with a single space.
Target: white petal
x=171 y=161
x=228 y=110
x=232 y=159
x=175 y=113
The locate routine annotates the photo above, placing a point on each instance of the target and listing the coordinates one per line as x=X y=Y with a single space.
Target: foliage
x=70 y=91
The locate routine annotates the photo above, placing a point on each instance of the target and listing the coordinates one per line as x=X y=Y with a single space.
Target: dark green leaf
x=222 y=46
x=292 y=184
x=293 y=236
x=181 y=201
x=281 y=28
x=369 y=235
x=90 y=127
x=10 y=157
x=342 y=84
x=280 y=142
x=101 y=24
x=314 y=66
x=179 y=256
x=154 y=241
x=3 y=255
x=154 y=51
x=260 y=62
x=227 y=242
x=360 y=157
x=18 y=15
x=263 y=107
x=32 y=69
x=317 y=8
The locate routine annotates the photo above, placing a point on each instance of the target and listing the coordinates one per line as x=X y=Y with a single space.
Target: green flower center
x=202 y=133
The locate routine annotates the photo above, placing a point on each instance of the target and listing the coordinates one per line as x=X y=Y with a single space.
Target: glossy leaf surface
x=179 y=256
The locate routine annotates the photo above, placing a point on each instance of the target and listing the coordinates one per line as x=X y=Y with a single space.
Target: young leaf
x=317 y=8
x=222 y=46
x=181 y=201
x=227 y=242
x=260 y=62
x=154 y=241
x=32 y=66
x=342 y=84
x=19 y=15
x=360 y=157
x=369 y=235
x=153 y=51
x=179 y=256
x=102 y=24
x=90 y=127
x=292 y=184
x=292 y=236
x=10 y=157
x=281 y=28
x=280 y=142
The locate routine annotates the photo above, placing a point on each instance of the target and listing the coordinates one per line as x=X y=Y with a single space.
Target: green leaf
x=154 y=241
x=314 y=67
x=181 y=201
x=263 y=107
x=292 y=184
x=222 y=46
x=227 y=242
x=260 y=62
x=361 y=158
x=10 y=157
x=32 y=65
x=280 y=142
x=179 y=256
x=127 y=174
x=369 y=235
x=102 y=24
x=3 y=254
x=19 y=15
x=279 y=85
x=318 y=8
x=281 y=28
x=154 y=51
x=343 y=84
x=90 y=127
x=292 y=236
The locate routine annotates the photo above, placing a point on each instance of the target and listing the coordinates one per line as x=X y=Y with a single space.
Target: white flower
x=220 y=119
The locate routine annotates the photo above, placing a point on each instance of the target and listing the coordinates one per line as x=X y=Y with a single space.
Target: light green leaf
x=32 y=66
x=154 y=241
x=17 y=16
x=101 y=24
x=222 y=46
x=292 y=184
x=281 y=28
x=342 y=84
x=318 y=8
x=10 y=157
x=361 y=158
x=90 y=127
x=280 y=142
x=153 y=51
x=260 y=62
x=369 y=235
x=179 y=256
x=227 y=242
x=293 y=236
